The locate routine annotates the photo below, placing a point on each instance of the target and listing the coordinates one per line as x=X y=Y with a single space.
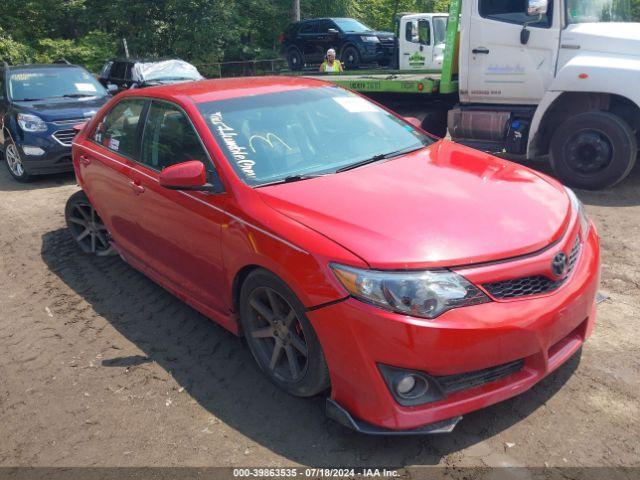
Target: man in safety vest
x=330 y=64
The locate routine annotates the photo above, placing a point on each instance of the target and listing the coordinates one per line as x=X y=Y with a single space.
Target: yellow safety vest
x=337 y=67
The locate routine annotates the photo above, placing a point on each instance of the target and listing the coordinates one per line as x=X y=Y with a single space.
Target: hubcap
x=589 y=152
x=276 y=333
x=88 y=230
x=14 y=161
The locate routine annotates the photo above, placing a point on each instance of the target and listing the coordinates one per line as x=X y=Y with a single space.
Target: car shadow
x=8 y=184
x=217 y=371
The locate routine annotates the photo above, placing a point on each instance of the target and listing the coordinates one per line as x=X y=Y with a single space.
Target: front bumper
x=55 y=159
x=544 y=332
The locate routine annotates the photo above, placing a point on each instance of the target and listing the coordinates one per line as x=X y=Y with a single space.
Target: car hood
x=67 y=109
x=443 y=206
x=618 y=38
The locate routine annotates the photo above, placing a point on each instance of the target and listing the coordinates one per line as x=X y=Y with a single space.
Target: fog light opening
x=410 y=386
x=32 y=151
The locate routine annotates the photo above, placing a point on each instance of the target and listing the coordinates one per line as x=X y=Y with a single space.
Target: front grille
x=65 y=137
x=464 y=381
x=71 y=121
x=535 y=285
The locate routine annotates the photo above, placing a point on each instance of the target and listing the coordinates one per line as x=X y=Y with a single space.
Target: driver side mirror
x=112 y=89
x=537 y=8
x=332 y=31
x=191 y=175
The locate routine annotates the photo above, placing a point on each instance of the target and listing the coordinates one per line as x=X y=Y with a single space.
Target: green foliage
x=201 y=31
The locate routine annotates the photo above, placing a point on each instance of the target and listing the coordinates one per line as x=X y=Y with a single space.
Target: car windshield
x=47 y=83
x=350 y=25
x=440 y=29
x=598 y=11
x=307 y=132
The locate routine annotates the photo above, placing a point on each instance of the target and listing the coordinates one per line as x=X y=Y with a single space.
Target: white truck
x=558 y=79
x=421 y=41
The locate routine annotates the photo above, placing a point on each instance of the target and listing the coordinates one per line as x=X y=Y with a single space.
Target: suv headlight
x=425 y=294
x=582 y=213
x=370 y=38
x=31 y=123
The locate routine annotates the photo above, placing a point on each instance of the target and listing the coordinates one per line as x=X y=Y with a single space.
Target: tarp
x=169 y=70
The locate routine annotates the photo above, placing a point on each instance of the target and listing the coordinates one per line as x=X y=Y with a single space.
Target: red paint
x=187 y=174
x=443 y=207
x=583 y=76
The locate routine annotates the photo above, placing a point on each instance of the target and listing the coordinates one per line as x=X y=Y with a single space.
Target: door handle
x=136 y=187
x=480 y=51
x=84 y=160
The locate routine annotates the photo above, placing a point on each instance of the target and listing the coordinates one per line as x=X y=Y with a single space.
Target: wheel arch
x=556 y=107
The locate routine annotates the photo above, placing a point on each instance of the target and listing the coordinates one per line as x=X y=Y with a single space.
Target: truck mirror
x=537 y=8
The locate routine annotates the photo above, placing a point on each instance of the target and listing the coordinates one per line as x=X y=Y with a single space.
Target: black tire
x=295 y=60
x=279 y=334
x=593 y=150
x=13 y=161
x=435 y=122
x=350 y=57
x=86 y=226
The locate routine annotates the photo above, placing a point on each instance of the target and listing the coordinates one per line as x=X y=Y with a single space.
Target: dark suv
x=307 y=42
x=39 y=106
x=121 y=74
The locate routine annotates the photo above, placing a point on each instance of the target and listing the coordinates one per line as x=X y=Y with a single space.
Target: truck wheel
x=295 y=60
x=435 y=122
x=593 y=150
x=350 y=57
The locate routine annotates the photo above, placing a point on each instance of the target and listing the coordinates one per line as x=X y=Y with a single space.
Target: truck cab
x=421 y=40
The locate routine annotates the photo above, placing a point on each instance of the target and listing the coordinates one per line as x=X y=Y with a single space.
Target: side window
x=169 y=138
x=513 y=11
x=118 y=130
x=118 y=70
x=418 y=31
x=104 y=73
x=325 y=25
x=1 y=84
x=309 y=27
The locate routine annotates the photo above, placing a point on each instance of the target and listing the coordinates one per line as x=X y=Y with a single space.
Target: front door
x=500 y=69
x=416 y=41
x=180 y=231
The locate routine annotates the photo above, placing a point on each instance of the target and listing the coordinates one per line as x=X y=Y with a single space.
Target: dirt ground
x=101 y=367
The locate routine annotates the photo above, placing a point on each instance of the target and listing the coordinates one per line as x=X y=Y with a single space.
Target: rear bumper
x=544 y=332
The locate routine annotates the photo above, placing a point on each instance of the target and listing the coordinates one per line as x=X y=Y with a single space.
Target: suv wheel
x=14 y=163
x=350 y=57
x=295 y=60
x=593 y=150
x=86 y=227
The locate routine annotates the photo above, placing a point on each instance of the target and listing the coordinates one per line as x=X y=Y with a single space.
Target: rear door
x=180 y=231
x=104 y=164
x=308 y=40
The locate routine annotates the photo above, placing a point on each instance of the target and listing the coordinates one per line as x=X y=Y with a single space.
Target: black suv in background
x=121 y=74
x=39 y=106
x=307 y=42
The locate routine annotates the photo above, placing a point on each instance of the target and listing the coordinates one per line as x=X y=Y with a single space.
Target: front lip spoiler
x=344 y=418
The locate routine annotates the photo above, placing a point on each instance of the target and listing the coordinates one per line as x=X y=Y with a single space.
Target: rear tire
x=13 y=160
x=280 y=337
x=435 y=122
x=295 y=60
x=593 y=150
x=86 y=227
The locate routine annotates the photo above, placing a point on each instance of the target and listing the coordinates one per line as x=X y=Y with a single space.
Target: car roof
x=226 y=88
x=143 y=59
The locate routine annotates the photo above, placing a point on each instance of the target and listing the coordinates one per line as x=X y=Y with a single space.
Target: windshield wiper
x=292 y=179
x=379 y=157
x=29 y=100
x=77 y=95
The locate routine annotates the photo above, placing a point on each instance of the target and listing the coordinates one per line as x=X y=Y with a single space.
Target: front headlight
x=31 y=123
x=425 y=294
x=370 y=38
x=582 y=213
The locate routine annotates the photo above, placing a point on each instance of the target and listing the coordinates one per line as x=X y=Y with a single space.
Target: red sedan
x=415 y=278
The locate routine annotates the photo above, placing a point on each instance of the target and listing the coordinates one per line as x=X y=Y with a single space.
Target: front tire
x=280 y=337
x=13 y=160
x=350 y=57
x=593 y=150
x=86 y=226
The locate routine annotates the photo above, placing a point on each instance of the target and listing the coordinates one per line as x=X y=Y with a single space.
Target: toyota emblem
x=559 y=264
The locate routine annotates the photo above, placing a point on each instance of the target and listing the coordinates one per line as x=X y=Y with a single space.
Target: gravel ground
x=99 y=366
